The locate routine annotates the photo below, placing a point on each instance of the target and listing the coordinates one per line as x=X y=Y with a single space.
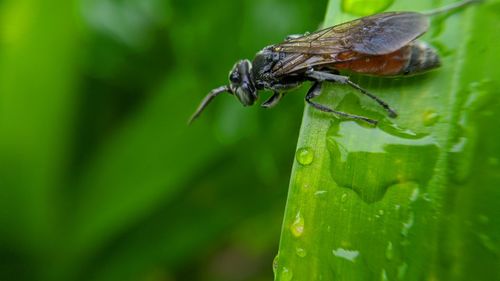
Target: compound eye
x=234 y=77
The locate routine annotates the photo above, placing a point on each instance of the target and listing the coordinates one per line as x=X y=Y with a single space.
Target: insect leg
x=392 y=113
x=273 y=100
x=315 y=91
x=325 y=76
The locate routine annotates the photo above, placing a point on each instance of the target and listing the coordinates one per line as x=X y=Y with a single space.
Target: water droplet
x=460 y=152
x=480 y=96
x=430 y=117
x=301 y=252
x=305 y=156
x=408 y=224
x=365 y=7
x=349 y=255
x=394 y=153
x=276 y=264
x=389 y=251
x=286 y=274
x=297 y=226
x=320 y=192
x=402 y=271
x=344 y=197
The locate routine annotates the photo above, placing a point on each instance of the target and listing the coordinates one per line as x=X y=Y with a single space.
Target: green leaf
x=413 y=198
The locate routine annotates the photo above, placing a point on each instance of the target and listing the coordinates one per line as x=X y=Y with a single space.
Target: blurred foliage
x=100 y=177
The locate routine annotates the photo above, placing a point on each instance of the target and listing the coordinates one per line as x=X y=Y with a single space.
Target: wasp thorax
x=241 y=83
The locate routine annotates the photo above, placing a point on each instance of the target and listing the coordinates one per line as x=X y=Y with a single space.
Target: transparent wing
x=373 y=35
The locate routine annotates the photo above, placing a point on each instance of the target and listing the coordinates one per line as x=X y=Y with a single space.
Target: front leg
x=325 y=76
x=315 y=91
x=273 y=100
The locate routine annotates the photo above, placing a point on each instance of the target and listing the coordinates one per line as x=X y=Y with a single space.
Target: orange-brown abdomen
x=411 y=59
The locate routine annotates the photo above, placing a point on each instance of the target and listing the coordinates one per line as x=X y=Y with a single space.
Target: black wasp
x=380 y=45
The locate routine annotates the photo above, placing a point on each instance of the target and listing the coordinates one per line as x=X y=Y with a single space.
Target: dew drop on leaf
x=320 y=192
x=480 y=98
x=286 y=274
x=393 y=149
x=430 y=117
x=305 y=156
x=297 y=227
x=408 y=224
x=276 y=264
x=344 y=197
x=301 y=252
x=349 y=255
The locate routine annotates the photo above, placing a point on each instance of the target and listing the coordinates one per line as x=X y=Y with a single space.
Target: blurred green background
x=100 y=177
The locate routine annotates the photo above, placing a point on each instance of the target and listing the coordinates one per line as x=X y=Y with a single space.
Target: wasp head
x=241 y=83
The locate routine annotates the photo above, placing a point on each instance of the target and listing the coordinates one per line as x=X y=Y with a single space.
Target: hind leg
x=315 y=91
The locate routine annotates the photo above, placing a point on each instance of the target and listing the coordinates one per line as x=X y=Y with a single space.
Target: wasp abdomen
x=423 y=58
x=391 y=64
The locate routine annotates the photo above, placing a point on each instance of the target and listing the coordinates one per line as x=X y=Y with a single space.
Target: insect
x=379 y=45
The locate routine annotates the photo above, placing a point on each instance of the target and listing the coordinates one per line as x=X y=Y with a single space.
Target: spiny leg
x=315 y=91
x=325 y=76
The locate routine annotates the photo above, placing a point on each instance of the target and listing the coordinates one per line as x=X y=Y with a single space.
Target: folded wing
x=373 y=35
